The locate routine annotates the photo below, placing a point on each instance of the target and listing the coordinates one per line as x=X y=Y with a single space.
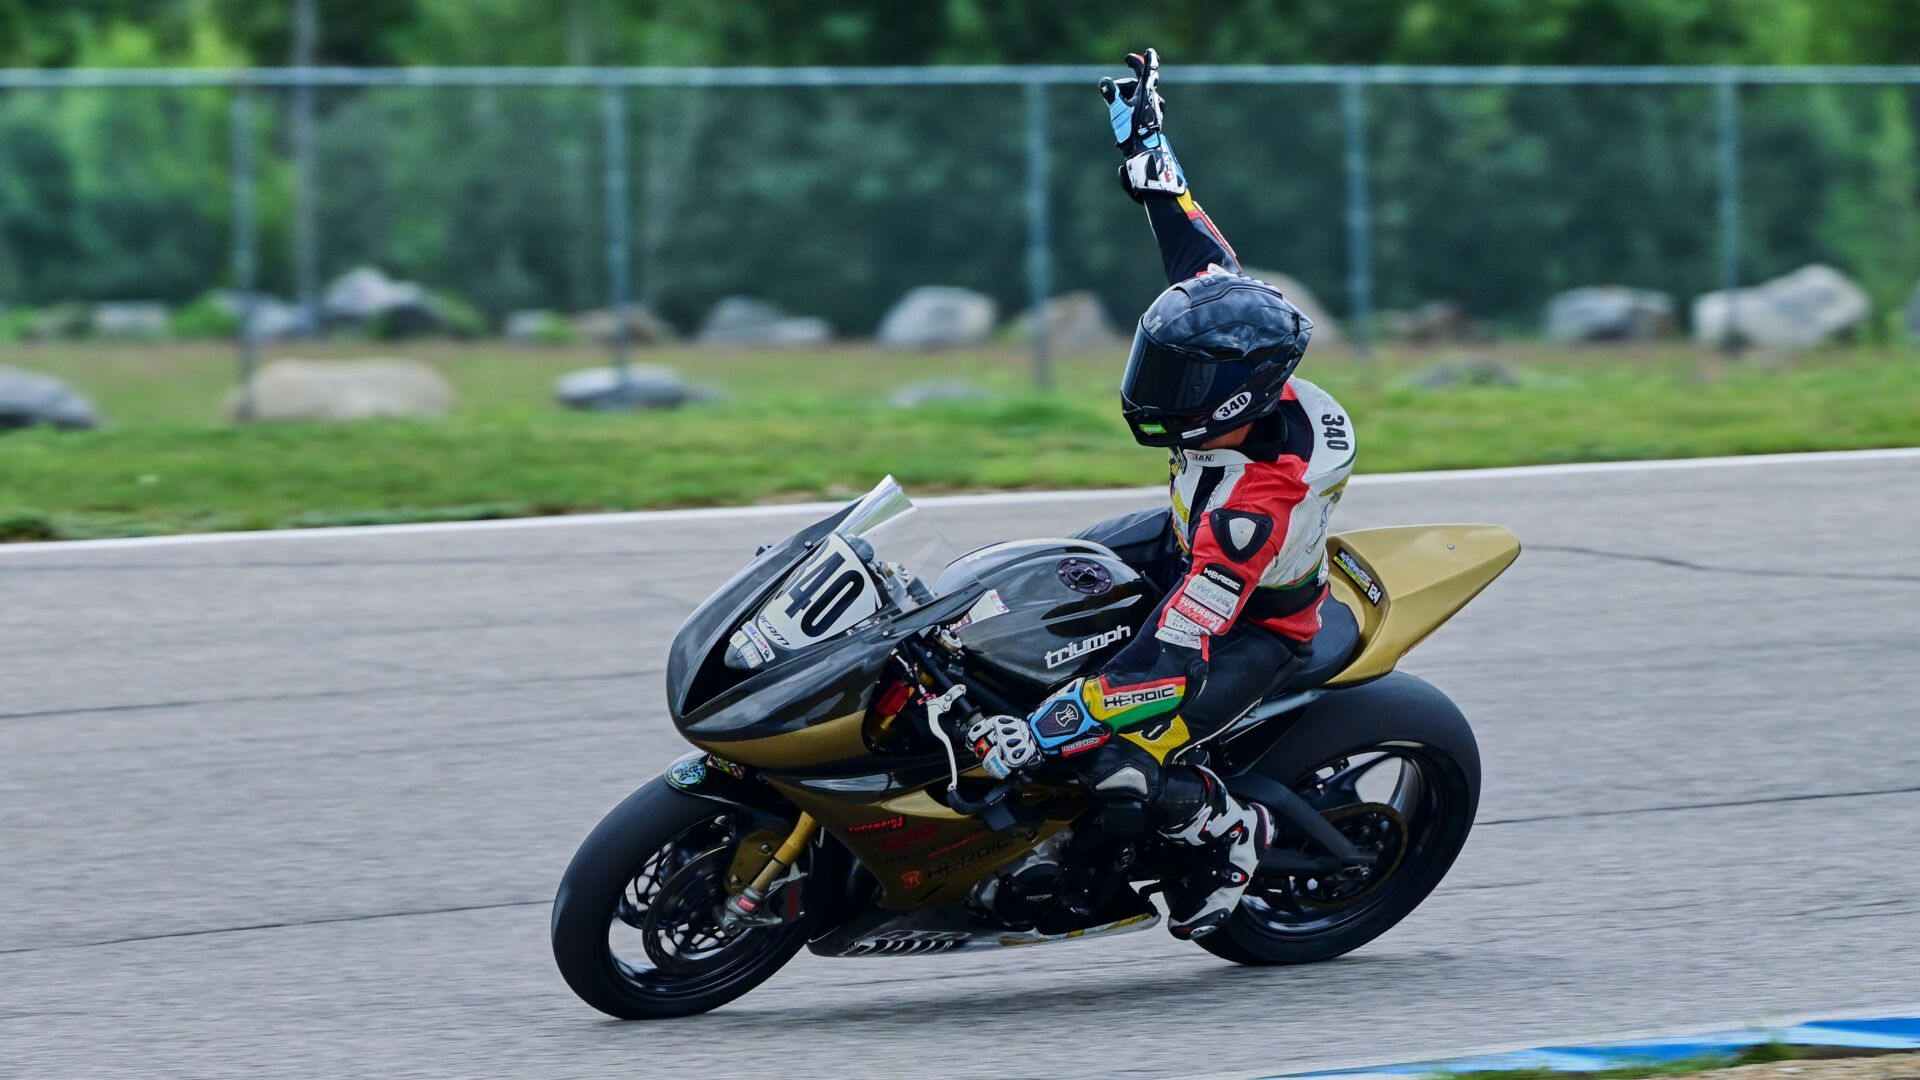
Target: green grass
x=814 y=423
x=1758 y=1054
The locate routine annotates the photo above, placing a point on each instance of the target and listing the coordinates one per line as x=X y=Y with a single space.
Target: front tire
x=635 y=929
x=1395 y=766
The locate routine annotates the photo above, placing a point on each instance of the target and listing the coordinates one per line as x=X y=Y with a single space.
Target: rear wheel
x=1399 y=776
x=636 y=924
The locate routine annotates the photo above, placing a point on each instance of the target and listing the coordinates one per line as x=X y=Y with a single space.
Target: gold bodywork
x=926 y=855
x=1425 y=573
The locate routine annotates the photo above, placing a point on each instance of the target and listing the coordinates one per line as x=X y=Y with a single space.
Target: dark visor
x=1163 y=380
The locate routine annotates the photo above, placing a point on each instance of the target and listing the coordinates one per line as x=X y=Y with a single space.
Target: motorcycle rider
x=1259 y=460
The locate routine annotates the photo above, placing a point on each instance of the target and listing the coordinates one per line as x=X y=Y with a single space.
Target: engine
x=1025 y=890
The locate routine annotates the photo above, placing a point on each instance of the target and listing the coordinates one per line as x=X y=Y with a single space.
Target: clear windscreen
x=883 y=560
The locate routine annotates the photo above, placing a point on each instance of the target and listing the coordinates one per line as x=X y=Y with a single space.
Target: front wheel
x=1394 y=766
x=636 y=927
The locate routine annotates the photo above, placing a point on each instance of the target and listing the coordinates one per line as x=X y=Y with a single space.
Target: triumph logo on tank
x=1092 y=644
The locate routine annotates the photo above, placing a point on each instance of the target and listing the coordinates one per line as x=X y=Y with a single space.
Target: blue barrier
x=1890 y=1033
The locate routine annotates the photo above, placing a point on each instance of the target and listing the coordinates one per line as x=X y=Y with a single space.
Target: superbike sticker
x=1360 y=577
x=828 y=594
x=1210 y=598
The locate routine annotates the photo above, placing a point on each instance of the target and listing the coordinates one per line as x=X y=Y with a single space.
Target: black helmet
x=1211 y=354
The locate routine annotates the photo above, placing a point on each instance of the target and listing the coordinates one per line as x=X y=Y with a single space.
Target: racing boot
x=1233 y=834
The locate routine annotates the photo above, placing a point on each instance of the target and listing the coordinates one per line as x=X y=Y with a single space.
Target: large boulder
x=30 y=399
x=1076 y=322
x=1432 y=323
x=538 y=326
x=1325 y=331
x=936 y=316
x=1609 y=313
x=1813 y=304
x=936 y=391
x=274 y=319
x=643 y=326
x=345 y=390
x=367 y=297
x=646 y=386
x=744 y=321
x=136 y=320
x=1464 y=371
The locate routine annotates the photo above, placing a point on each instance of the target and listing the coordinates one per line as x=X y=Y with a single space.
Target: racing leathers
x=1241 y=559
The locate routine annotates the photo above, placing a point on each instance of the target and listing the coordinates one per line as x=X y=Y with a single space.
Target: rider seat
x=1333 y=647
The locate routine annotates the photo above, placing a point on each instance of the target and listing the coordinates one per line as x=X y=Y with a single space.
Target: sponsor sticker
x=1202 y=616
x=883 y=825
x=743 y=648
x=759 y=641
x=688 y=771
x=1190 y=433
x=919 y=834
x=983 y=609
x=766 y=627
x=1080 y=745
x=912 y=879
x=731 y=768
x=1358 y=573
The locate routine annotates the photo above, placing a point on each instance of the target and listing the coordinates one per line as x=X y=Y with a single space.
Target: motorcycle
x=830 y=802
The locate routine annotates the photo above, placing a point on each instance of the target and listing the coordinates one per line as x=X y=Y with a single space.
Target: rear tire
x=1282 y=921
x=655 y=840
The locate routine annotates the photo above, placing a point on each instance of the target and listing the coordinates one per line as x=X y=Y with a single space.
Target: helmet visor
x=1174 y=384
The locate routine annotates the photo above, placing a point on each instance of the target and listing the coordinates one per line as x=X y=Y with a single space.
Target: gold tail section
x=1402 y=583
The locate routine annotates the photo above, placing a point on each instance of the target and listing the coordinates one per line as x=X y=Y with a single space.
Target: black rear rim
x=665 y=936
x=1402 y=802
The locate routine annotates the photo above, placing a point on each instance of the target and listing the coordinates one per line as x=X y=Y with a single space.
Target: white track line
x=1001 y=498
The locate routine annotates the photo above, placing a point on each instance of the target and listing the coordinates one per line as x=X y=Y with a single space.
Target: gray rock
x=1075 y=322
x=61 y=322
x=1813 y=304
x=366 y=296
x=128 y=319
x=1434 y=322
x=1325 y=330
x=29 y=399
x=647 y=386
x=743 y=320
x=1609 y=313
x=643 y=326
x=274 y=319
x=537 y=327
x=335 y=390
x=1464 y=371
x=936 y=316
x=930 y=391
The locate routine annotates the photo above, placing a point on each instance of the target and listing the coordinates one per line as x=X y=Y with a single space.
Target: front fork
x=749 y=906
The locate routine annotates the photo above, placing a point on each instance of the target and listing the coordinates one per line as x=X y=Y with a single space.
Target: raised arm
x=1152 y=177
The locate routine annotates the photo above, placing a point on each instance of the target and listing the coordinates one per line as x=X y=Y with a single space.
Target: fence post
x=1727 y=97
x=613 y=114
x=1359 y=220
x=306 y=231
x=1039 y=244
x=240 y=133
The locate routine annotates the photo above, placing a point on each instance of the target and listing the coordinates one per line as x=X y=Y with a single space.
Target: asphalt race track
x=297 y=807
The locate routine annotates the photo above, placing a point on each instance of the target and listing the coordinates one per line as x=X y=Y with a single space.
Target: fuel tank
x=1069 y=606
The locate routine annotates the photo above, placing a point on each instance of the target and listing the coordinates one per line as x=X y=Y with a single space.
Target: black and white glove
x=1003 y=744
x=1135 y=107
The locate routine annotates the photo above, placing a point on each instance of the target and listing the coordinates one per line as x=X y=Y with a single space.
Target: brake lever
x=937 y=708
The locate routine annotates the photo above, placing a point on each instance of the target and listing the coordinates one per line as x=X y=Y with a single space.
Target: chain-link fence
x=832 y=191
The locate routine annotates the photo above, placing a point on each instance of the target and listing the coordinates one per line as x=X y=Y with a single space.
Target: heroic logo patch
x=1361 y=578
x=1135 y=696
x=1239 y=533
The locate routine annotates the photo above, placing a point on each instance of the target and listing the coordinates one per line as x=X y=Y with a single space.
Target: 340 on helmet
x=1212 y=353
